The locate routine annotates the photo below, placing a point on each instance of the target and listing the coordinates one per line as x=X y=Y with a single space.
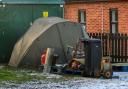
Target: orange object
x=43 y=58
x=75 y=65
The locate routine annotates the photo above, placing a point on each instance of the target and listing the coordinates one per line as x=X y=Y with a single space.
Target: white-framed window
x=82 y=16
x=113 y=20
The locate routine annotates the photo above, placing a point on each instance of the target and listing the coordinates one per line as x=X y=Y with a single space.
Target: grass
x=7 y=75
x=18 y=75
x=23 y=75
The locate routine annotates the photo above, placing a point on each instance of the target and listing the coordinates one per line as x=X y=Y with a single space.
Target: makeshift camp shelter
x=52 y=32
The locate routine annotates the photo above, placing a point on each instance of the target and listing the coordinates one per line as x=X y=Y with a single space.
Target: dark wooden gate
x=115 y=45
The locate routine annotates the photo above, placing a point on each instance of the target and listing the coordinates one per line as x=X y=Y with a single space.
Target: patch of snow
x=75 y=83
x=123 y=76
x=48 y=75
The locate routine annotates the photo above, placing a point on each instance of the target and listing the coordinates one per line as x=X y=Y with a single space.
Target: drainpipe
x=102 y=26
x=102 y=31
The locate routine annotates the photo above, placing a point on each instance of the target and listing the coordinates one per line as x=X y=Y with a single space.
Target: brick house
x=109 y=16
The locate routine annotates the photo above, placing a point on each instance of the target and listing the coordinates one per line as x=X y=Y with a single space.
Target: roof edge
x=89 y=1
x=31 y=2
x=34 y=3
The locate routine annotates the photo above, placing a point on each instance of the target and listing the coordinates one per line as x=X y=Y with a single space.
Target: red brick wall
x=94 y=15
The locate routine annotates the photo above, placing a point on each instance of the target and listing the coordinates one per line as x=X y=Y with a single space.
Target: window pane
x=114 y=16
x=82 y=15
x=113 y=20
x=114 y=28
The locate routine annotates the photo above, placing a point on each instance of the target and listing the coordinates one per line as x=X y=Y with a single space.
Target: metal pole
x=62 y=6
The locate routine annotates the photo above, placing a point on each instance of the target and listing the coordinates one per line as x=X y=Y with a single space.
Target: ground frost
x=75 y=83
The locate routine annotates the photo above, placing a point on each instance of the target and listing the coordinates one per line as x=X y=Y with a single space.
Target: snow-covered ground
x=75 y=83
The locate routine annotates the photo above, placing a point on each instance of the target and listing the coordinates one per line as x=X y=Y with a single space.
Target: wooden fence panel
x=115 y=45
